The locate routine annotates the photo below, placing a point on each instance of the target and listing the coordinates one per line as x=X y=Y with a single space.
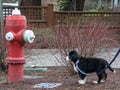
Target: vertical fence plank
x=50 y=15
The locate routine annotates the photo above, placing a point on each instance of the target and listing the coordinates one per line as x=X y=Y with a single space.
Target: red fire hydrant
x=17 y=35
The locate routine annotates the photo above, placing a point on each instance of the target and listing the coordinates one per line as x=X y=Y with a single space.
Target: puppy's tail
x=111 y=69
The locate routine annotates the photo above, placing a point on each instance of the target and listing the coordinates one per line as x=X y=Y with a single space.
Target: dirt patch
x=60 y=75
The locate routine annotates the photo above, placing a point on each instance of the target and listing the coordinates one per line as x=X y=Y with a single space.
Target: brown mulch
x=60 y=75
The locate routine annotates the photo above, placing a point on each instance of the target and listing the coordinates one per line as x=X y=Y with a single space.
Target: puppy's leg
x=104 y=77
x=99 y=78
x=83 y=80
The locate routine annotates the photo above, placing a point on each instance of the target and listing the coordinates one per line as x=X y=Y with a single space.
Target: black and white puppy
x=83 y=66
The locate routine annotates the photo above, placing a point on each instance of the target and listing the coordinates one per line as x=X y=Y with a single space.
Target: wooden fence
x=86 y=17
x=38 y=16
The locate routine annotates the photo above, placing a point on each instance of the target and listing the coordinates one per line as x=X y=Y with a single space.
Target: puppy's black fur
x=89 y=65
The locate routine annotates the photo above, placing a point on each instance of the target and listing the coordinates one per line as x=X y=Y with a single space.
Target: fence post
x=50 y=13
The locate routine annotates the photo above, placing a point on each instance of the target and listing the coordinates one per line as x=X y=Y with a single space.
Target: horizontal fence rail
x=73 y=18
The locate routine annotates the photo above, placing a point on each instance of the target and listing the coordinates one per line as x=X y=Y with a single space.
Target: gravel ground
x=57 y=73
x=60 y=75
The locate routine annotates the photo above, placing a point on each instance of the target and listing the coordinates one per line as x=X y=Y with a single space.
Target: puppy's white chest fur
x=74 y=67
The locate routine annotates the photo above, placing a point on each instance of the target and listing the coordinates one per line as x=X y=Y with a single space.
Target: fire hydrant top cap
x=16 y=11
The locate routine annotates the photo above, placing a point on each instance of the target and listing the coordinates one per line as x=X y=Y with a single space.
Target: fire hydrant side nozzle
x=16 y=36
x=28 y=36
x=9 y=36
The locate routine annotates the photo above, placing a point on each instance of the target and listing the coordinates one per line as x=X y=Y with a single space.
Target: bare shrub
x=3 y=54
x=43 y=39
x=3 y=50
x=87 y=39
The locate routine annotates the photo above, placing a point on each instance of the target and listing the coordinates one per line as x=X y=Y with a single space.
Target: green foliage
x=102 y=8
x=65 y=5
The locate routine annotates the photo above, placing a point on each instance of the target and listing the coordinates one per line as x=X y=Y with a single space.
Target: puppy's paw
x=95 y=82
x=81 y=82
x=102 y=81
x=114 y=71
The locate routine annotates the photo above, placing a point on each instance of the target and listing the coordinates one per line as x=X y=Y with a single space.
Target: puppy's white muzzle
x=67 y=58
